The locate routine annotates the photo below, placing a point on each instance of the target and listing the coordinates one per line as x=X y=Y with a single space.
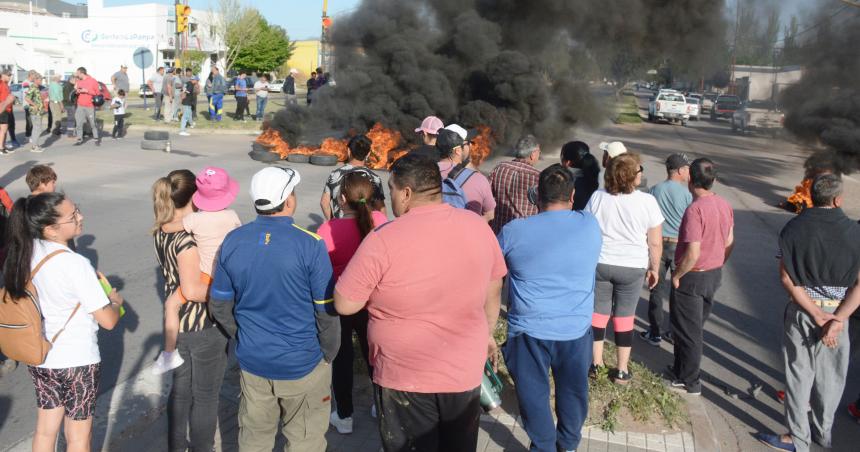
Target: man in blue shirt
x=272 y=291
x=673 y=197
x=241 y=96
x=551 y=258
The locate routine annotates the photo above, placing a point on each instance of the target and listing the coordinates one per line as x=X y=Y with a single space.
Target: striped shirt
x=510 y=182
x=168 y=247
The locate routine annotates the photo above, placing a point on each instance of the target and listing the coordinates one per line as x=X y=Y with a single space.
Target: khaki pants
x=303 y=406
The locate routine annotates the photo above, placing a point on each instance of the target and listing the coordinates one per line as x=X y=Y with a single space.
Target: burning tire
x=259 y=147
x=264 y=156
x=323 y=159
x=156 y=135
x=298 y=158
x=154 y=145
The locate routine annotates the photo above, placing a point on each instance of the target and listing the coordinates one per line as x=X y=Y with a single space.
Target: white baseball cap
x=271 y=186
x=614 y=149
x=466 y=135
x=294 y=71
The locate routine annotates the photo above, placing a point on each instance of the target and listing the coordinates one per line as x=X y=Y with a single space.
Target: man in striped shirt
x=510 y=182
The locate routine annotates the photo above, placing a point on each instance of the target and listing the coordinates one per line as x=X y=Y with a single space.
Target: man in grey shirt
x=673 y=197
x=120 y=80
x=167 y=91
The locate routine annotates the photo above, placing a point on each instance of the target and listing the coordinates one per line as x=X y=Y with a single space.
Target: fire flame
x=384 y=141
x=482 y=146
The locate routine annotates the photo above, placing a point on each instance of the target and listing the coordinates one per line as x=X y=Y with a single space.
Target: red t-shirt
x=342 y=239
x=425 y=276
x=6 y=201
x=4 y=93
x=707 y=220
x=92 y=86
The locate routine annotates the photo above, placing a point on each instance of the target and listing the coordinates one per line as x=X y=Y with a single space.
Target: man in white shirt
x=261 y=90
x=156 y=86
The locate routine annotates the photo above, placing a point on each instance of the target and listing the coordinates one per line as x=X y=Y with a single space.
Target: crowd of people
x=423 y=293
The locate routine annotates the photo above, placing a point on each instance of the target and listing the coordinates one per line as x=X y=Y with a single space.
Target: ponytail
x=27 y=221
x=169 y=193
x=358 y=191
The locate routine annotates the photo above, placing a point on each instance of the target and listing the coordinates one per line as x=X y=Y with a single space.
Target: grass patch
x=142 y=119
x=627 y=110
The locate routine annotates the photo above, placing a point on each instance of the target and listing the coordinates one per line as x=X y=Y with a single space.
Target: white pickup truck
x=757 y=115
x=669 y=105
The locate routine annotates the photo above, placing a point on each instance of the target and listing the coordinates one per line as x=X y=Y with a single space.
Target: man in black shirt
x=576 y=154
x=189 y=99
x=428 y=131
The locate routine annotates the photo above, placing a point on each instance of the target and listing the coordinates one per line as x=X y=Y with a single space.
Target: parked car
x=761 y=115
x=276 y=86
x=669 y=105
x=725 y=106
x=694 y=107
x=708 y=102
x=145 y=91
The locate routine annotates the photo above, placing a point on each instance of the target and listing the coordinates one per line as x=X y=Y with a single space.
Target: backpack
x=22 y=336
x=452 y=186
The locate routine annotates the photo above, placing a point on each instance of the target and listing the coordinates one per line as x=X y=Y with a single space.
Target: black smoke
x=517 y=66
x=824 y=107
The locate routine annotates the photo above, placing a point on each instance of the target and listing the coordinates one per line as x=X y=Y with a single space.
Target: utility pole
x=176 y=45
x=732 y=86
x=325 y=47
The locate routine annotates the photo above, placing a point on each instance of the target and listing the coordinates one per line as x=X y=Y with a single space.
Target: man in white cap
x=428 y=131
x=289 y=87
x=456 y=155
x=272 y=291
x=614 y=149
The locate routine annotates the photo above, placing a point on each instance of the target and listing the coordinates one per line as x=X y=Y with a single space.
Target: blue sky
x=301 y=18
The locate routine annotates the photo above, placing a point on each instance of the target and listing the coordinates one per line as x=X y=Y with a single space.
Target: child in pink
x=209 y=224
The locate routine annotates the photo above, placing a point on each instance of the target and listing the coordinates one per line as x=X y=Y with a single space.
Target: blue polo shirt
x=279 y=275
x=552 y=260
x=241 y=83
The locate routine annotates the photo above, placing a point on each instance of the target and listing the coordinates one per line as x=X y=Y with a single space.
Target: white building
x=56 y=37
x=762 y=83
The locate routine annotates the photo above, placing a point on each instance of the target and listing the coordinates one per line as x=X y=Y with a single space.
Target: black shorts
x=74 y=389
x=4 y=117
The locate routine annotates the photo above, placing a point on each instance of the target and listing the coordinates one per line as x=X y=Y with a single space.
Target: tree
x=236 y=26
x=268 y=51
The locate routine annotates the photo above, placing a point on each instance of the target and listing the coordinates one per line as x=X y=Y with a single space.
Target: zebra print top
x=168 y=246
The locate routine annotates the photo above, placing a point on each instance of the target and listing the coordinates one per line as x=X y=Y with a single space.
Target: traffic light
x=183 y=12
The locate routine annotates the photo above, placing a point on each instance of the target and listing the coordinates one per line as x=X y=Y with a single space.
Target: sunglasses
x=641 y=169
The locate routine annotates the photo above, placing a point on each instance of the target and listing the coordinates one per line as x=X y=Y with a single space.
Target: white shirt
x=157 y=82
x=624 y=222
x=118 y=102
x=63 y=281
x=261 y=88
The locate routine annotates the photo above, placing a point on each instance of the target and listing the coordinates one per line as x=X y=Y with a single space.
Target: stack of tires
x=263 y=154
x=155 y=140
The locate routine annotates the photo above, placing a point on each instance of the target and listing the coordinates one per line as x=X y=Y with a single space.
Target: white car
x=668 y=105
x=694 y=107
x=277 y=86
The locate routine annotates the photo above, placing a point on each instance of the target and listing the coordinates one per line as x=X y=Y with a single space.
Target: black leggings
x=118 y=125
x=342 y=373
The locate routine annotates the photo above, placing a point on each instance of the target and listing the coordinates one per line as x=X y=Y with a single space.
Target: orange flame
x=482 y=145
x=384 y=141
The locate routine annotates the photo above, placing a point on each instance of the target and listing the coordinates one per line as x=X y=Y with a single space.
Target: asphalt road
x=111 y=183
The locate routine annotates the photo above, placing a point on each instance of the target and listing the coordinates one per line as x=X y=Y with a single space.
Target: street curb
x=205 y=131
x=704 y=435
x=127 y=409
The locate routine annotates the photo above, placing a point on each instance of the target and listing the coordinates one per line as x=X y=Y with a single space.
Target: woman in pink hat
x=209 y=224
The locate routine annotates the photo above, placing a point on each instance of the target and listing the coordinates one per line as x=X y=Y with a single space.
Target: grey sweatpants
x=86 y=114
x=814 y=377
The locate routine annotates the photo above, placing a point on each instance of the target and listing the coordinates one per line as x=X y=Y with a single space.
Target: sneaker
x=343 y=426
x=166 y=362
x=774 y=441
x=373 y=411
x=9 y=151
x=621 y=377
x=185 y=134
x=679 y=385
x=78 y=143
x=16 y=143
x=854 y=411
x=37 y=149
x=653 y=340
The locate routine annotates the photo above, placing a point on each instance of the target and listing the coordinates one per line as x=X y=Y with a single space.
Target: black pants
x=193 y=401
x=663 y=289
x=118 y=125
x=28 y=128
x=241 y=106
x=411 y=421
x=689 y=307
x=12 y=126
x=342 y=374
x=159 y=101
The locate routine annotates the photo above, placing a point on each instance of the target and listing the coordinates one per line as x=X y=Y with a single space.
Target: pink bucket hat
x=431 y=125
x=215 y=190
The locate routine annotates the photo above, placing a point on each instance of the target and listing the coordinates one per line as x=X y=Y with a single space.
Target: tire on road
x=323 y=159
x=153 y=145
x=298 y=158
x=156 y=135
x=259 y=147
x=264 y=156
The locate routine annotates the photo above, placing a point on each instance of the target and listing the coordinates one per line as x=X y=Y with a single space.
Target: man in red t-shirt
x=705 y=241
x=86 y=87
x=6 y=100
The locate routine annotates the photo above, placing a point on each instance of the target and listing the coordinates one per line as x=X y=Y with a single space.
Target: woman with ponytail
x=362 y=212
x=73 y=306
x=192 y=406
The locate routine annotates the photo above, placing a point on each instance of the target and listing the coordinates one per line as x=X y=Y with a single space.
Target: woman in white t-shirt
x=261 y=91
x=630 y=222
x=73 y=304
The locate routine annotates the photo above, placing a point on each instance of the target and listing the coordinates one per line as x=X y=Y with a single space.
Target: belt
x=700 y=270
x=827 y=303
x=670 y=239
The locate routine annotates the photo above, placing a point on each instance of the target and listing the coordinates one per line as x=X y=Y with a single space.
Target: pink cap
x=215 y=190
x=431 y=125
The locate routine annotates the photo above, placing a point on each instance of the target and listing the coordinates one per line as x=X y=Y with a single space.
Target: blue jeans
x=261 y=107
x=216 y=106
x=186 y=117
x=529 y=361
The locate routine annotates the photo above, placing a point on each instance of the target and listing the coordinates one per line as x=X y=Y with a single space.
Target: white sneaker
x=373 y=411
x=185 y=134
x=343 y=426
x=166 y=362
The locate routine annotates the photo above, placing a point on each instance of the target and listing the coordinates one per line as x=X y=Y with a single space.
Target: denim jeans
x=261 y=107
x=186 y=117
x=529 y=361
x=192 y=406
